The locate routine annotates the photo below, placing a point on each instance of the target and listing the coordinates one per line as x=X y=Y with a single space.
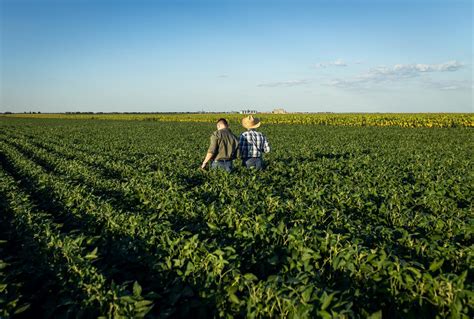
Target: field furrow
x=63 y=262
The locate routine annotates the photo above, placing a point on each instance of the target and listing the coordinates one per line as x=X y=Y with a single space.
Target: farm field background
x=339 y=119
x=109 y=218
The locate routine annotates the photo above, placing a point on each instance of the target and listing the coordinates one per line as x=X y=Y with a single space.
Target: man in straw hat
x=224 y=147
x=252 y=144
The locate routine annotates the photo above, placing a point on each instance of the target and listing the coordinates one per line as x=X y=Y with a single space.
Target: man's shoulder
x=254 y=132
x=223 y=133
x=231 y=135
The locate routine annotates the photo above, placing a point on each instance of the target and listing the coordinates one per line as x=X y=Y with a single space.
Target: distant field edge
x=337 y=119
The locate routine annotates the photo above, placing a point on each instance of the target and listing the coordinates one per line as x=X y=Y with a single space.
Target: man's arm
x=266 y=145
x=211 y=151
x=242 y=141
x=208 y=157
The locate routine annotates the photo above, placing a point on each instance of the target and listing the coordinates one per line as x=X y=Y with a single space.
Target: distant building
x=248 y=112
x=279 y=111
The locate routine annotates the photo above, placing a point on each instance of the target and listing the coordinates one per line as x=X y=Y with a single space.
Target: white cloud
x=450 y=85
x=284 y=83
x=449 y=66
x=337 y=62
x=395 y=73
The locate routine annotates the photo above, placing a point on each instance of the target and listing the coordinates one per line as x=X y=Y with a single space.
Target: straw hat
x=250 y=122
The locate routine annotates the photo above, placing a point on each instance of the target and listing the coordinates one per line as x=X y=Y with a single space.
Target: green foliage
x=113 y=219
x=338 y=119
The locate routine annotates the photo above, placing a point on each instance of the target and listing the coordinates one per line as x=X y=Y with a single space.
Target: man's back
x=224 y=145
x=253 y=144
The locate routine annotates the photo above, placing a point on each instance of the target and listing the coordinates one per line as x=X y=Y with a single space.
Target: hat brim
x=248 y=126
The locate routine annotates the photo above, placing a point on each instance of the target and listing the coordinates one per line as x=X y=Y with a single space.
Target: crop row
x=179 y=264
x=344 y=222
x=121 y=229
x=141 y=191
x=190 y=266
x=63 y=261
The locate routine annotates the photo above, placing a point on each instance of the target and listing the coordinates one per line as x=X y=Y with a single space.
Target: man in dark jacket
x=224 y=147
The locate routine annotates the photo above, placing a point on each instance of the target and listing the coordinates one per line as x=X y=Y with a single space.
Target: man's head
x=222 y=123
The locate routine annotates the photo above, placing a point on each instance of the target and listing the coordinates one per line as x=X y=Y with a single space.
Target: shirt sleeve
x=266 y=145
x=237 y=149
x=242 y=141
x=213 y=145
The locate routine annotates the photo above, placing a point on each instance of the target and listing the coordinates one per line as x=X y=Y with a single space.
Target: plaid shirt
x=253 y=144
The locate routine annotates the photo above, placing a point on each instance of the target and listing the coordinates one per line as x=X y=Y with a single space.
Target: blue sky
x=223 y=55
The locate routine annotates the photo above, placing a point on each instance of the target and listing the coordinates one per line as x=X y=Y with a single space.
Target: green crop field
x=114 y=218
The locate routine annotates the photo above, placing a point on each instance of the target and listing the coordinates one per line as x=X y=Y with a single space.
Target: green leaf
x=327 y=300
x=22 y=309
x=137 y=289
x=189 y=268
x=324 y=314
x=250 y=276
x=212 y=226
x=127 y=299
x=415 y=271
x=234 y=298
x=306 y=295
x=143 y=303
x=92 y=254
x=435 y=265
x=376 y=315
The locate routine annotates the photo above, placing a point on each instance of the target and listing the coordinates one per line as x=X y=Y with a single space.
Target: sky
x=229 y=55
